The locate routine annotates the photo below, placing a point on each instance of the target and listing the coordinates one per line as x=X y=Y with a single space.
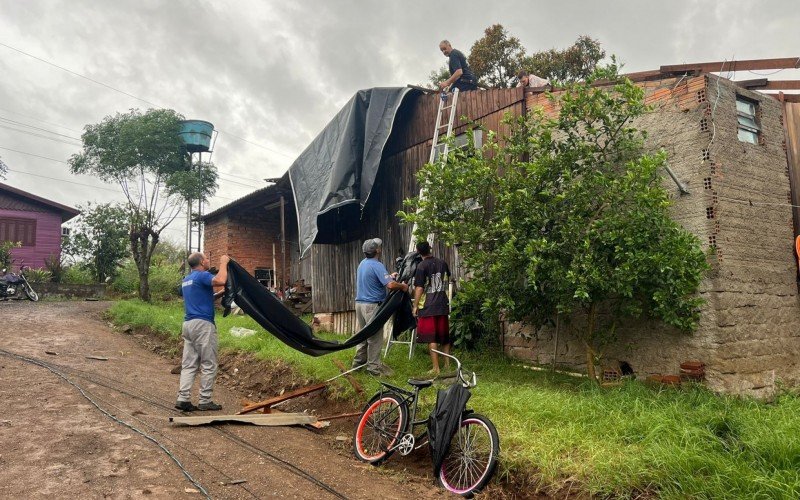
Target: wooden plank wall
x=792 y=125
x=334 y=266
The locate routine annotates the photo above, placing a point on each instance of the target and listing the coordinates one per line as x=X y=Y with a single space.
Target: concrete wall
x=748 y=333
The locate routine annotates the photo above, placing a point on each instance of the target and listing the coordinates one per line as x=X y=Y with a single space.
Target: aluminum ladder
x=447 y=108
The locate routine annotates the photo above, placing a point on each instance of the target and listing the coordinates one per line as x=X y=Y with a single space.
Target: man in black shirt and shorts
x=433 y=326
x=461 y=77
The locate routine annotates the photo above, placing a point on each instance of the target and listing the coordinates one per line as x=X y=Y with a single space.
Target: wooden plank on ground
x=283 y=397
x=271 y=419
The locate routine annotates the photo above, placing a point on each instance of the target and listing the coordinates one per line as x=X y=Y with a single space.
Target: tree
x=3 y=169
x=568 y=65
x=496 y=58
x=567 y=217
x=438 y=76
x=144 y=155
x=99 y=238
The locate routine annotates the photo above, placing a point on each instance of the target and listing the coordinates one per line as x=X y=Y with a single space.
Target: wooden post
x=283 y=245
x=274 y=269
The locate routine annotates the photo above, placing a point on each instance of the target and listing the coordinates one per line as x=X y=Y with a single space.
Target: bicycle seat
x=420 y=383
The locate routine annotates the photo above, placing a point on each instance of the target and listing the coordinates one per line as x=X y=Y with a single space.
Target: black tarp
x=445 y=420
x=333 y=177
x=275 y=318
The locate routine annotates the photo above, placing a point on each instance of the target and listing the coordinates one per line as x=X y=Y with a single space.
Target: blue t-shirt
x=371 y=280
x=198 y=296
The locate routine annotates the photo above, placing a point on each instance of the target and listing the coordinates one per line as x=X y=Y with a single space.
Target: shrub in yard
x=5 y=253
x=55 y=267
x=77 y=275
x=39 y=275
x=164 y=280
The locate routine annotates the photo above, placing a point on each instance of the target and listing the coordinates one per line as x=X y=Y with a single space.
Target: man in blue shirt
x=372 y=282
x=199 y=332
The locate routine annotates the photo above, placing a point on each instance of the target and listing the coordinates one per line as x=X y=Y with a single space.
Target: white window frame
x=748 y=128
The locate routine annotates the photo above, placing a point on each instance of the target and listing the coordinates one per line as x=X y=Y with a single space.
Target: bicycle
x=385 y=427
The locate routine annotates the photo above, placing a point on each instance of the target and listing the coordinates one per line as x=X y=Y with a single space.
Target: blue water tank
x=196 y=135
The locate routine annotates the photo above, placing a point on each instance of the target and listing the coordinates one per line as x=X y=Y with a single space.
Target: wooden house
x=34 y=222
x=734 y=152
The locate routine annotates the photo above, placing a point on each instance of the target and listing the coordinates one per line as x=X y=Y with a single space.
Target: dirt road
x=54 y=442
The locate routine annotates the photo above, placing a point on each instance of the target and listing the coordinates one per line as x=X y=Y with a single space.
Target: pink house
x=33 y=221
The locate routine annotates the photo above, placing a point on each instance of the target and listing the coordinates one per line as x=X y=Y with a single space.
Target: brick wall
x=248 y=238
x=748 y=334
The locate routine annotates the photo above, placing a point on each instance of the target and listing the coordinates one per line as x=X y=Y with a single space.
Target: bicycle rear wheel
x=472 y=459
x=379 y=428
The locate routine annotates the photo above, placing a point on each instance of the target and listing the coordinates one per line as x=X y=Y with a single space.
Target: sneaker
x=386 y=371
x=210 y=406
x=185 y=406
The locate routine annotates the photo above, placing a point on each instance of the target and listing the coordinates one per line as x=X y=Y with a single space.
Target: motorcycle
x=11 y=284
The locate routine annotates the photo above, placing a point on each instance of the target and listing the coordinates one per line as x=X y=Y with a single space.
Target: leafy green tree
x=437 y=76
x=144 y=155
x=574 y=63
x=567 y=217
x=99 y=238
x=496 y=57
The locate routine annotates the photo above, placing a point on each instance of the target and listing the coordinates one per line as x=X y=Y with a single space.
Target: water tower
x=198 y=137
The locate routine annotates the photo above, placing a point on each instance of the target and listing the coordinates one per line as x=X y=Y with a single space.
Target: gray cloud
x=276 y=72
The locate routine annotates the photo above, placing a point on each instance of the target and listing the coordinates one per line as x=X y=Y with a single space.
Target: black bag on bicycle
x=445 y=420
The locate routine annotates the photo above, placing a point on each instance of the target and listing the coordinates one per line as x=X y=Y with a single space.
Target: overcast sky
x=270 y=75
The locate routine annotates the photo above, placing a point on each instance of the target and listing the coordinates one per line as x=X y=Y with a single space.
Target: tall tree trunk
x=142 y=252
x=590 y=368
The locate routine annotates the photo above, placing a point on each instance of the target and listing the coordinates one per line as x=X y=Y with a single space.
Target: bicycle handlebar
x=466 y=383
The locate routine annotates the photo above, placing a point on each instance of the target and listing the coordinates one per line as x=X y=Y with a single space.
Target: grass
x=559 y=432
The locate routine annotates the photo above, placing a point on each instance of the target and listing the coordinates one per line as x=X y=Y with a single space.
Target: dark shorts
x=432 y=329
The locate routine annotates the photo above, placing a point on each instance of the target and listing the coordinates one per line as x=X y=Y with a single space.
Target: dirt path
x=56 y=443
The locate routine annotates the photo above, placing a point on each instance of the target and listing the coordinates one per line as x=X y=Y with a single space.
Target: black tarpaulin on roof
x=332 y=179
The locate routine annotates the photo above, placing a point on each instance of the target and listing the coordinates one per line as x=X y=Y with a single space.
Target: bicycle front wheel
x=472 y=459
x=380 y=427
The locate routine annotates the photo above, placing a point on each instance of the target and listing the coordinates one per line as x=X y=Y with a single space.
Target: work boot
x=185 y=406
x=210 y=406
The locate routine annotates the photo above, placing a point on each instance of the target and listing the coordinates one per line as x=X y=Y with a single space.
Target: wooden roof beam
x=785 y=97
x=744 y=65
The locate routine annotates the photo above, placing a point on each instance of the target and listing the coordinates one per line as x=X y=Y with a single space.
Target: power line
x=131 y=95
x=38 y=119
x=64 y=180
x=79 y=75
x=55 y=139
x=38 y=128
x=32 y=154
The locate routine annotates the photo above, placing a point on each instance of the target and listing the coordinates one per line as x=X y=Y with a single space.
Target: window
x=747 y=115
x=22 y=230
x=462 y=141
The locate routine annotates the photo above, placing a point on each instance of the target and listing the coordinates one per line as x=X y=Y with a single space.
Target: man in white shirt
x=529 y=80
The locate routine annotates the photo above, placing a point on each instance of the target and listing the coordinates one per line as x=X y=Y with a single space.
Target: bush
x=164 y=281
x=77 y=275
x=5 y=254
x=56 y=268
x=40 y=275
x=470 y=323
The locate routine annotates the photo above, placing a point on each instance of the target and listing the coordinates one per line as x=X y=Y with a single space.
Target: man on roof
x=529 y=80
x=461 y=77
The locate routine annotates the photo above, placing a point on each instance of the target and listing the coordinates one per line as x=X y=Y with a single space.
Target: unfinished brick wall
x=738 y=205
x=247 y=237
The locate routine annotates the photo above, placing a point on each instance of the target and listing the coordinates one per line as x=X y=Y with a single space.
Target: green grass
x=558 y=431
